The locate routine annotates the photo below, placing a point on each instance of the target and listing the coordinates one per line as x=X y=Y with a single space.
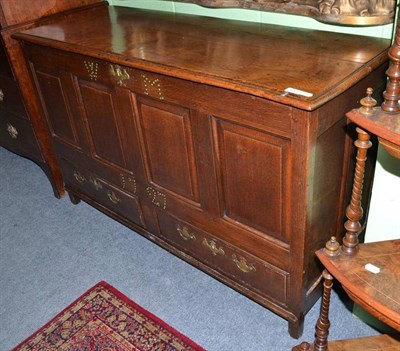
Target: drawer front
x=17 y=135
x=11 y=98
x=102 y=192
x=242 y=267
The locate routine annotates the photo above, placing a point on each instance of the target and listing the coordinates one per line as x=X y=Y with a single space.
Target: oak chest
x=223 y=142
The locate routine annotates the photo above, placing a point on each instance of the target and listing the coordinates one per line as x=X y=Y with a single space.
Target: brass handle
x=113 y=197
x=119 y=73
x=212 y=245
x=96 y=183
x=79 y=177
x=185 y=234
x=1 y=95
x=243 y=265
x=12 y=131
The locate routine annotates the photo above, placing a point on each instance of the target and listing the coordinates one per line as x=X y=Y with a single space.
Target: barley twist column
x=354 y=211
x=323 y=324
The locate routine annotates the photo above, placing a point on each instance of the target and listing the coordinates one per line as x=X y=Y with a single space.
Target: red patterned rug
x=103 y=319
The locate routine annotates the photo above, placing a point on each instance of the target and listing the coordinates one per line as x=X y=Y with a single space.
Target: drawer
x=242 y=267
x=102 y=192
x=11 y=98
x=17 y=135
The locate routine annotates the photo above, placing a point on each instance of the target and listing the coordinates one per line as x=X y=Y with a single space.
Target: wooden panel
x=253 y=176
x=102 y=123
x=110 y=130
x=56 y=107
x=167 y=137
x=16 y=11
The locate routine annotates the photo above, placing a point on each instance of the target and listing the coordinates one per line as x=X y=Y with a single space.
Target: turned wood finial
x=354 y=211
x=392 y=92
x=304 y=346
x=332 y=247
x=368 y=103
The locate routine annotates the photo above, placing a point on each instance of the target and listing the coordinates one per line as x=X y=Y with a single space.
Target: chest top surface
x=259 y=59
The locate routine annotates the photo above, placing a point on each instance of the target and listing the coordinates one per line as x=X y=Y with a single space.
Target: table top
x=260 y=59
x=378 y=293
x=383 y=124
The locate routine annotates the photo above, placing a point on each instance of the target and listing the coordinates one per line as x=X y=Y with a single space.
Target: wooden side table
x=369 y=273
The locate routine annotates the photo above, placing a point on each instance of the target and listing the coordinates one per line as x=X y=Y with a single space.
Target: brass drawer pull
x=12 y=131
x=113 y=197
x=1 y=95
x=185 y=234
x=212 y=245
x=119 y=73
x=79 y=177
x=96 y=183
x=243 y=265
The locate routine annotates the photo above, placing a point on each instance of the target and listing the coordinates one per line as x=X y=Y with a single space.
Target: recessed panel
x=58 y=116
x=102 y=123
x=167 y=137
x=252 y=171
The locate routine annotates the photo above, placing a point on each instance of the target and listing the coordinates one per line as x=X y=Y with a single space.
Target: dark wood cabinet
x=21 y=127
x=183 y=128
